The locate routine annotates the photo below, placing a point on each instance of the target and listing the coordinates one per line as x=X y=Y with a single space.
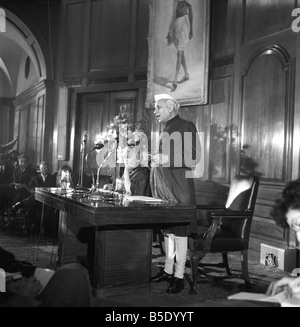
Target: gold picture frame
x=174 y=34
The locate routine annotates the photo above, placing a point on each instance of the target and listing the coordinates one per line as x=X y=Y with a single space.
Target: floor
x=211 y=291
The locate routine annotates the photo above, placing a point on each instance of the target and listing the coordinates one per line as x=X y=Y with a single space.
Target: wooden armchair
x=229 y=230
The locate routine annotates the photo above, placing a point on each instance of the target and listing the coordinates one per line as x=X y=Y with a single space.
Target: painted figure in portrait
x=178 y=50
x=180 y=32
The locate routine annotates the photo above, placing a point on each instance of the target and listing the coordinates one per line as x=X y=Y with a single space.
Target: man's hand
x=285 y=283
x=160 y=159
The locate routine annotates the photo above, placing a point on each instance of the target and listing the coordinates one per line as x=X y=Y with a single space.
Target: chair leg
x=225 y=263
x=195 y=259
x=244 y=261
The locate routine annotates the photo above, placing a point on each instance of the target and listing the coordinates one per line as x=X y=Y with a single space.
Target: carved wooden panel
x=94 y=115
x=266 y=114
x=264 y=17
x=74 y=30
x=142 y=33
x=23 y=129
x=17 y=125
x=220 y=128
x=109 y=34
x=63 y=124
x=32 y=134
x=4 y=124
x=40 y=129
x=223 y=26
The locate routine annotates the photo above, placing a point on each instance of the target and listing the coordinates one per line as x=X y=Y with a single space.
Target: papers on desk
x=144 y=199
x=284 y=298
x=43 y=275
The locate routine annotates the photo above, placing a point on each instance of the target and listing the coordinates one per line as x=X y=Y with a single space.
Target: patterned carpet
x=42 y=252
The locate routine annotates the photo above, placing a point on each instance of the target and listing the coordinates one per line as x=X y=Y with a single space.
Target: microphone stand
x=96 y=189
x=87 y=162
x=80 y=182
x=82 y=155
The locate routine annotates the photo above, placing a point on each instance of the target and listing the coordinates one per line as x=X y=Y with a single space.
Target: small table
x=122 y=231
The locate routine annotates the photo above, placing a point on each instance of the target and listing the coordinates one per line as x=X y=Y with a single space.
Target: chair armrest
x=230 y=214
x=210 y=206
x=210 y=233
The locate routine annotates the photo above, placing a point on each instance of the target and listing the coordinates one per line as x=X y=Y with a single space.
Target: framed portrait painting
x=178 y=50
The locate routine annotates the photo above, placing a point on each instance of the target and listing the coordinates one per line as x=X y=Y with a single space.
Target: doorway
x=94 y=113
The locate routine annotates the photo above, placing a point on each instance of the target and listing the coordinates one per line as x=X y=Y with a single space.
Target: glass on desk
x=65 y=184
x=120 y=191
x=120 y=186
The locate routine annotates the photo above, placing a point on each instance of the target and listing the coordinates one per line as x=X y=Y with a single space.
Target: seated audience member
x=22 y=177
x=286 y=213
x=6 y=171
x=34 y=208
x=17 y=190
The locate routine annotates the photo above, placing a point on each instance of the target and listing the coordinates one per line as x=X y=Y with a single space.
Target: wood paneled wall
x=253 y=109
x=266 y=115
x=103 y=41
x=30 y=124
x=6 y=121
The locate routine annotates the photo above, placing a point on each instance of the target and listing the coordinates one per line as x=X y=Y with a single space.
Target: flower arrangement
x=123 y=118
x=124 y=126
x=122 y=131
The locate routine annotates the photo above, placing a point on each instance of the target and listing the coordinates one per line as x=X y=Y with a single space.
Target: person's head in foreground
x=286 y=210
x=286 y=213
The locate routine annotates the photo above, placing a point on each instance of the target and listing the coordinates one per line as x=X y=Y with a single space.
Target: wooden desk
x=122 y=232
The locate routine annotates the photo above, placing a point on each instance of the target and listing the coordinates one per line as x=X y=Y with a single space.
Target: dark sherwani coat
x=139 y=178
x=170 y=182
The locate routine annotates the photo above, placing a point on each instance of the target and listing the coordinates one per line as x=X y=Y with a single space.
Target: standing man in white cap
x=179 y=150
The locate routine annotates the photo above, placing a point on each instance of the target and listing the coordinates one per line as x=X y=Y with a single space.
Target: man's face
x=293 y=219
x=132 y=157
x=23 y=163
x=44 y=169
x=162 y=111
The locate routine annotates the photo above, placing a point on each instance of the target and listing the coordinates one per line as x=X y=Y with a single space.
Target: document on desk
x=144 y=199
x=284 y=298
x=43 y=275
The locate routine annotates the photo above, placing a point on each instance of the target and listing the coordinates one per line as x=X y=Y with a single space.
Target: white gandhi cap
x=158 y=97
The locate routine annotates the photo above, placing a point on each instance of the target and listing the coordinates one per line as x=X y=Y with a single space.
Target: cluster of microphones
x=97 y=146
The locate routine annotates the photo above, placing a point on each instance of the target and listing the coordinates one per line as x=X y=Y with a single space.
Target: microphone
x=84 y=140
x=97 y=146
